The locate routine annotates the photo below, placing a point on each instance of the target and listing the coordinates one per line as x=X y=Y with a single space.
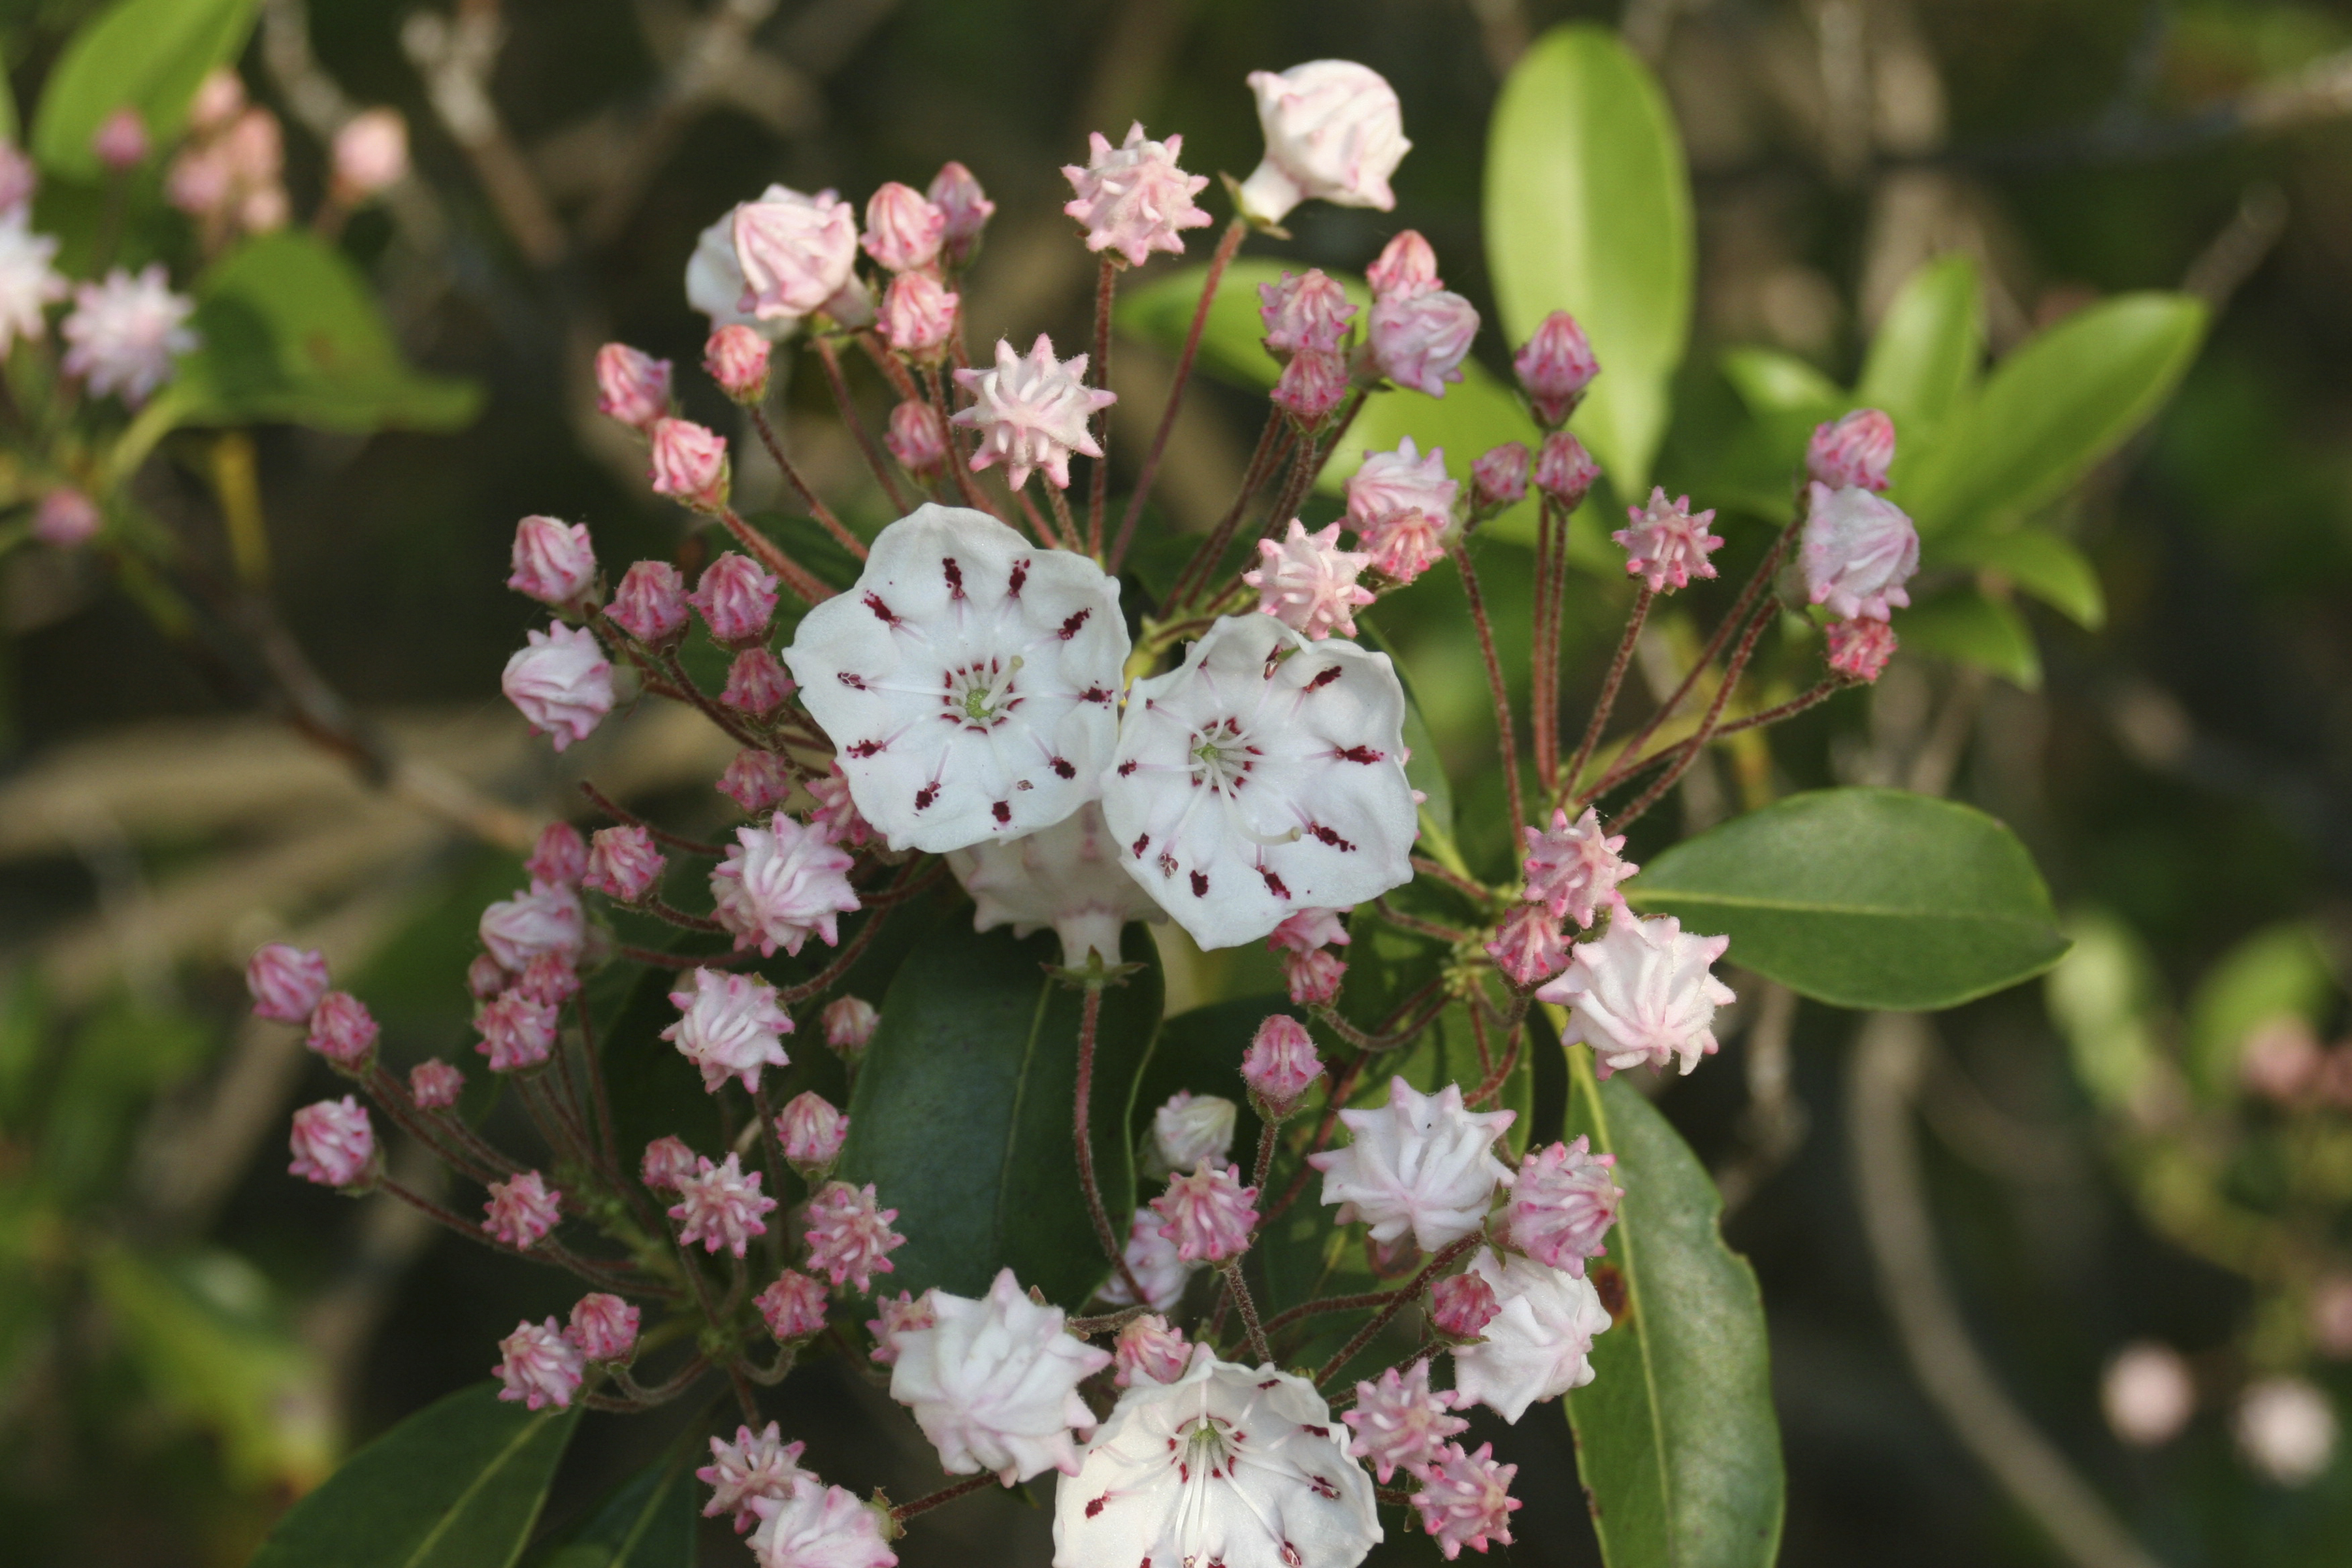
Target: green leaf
x=2280 y=972
x=1925 y=356
x=1770 y=382
x=2059 y=404
x=148 y=54
x=290 y=332
x=1587 y=210
x=2045 y=565
x=458 y=1485
x=1479 y=414
x=9 y=130
x=1968 y=626
x=1200 y=1050
x=962 y=1117
x=650 y=1521
x=1675 y=1438
x=1865 y=897
x=2103 y=998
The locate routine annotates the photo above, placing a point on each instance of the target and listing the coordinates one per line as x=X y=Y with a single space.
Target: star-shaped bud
x=1465 y=1500
x=781 y=884
x=1643 y=992
x=993 y=1382
x=1308 y=582
x=1668 y=546
x=1421 y=1164
x=1209 y=1215
x=1859 y=650
x=721 y=1206
x=1133 y=198
x=1563 y=1204
x=1858 y=551
x=969 y=681
x=1264 y=776
x=1031 y=412
x=755 y=1464
x=1399 y=1423
x=1574 y=867
x=1536 y=1346
x=849 y=1234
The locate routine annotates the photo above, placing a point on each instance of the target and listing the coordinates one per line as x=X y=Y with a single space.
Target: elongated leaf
x=290 y=331
x=648 y=1521
x=1587 y=210
x=458 y=1485
x=2054 y=408
x=964 y=1111
x=1675 y=1438
x=1865 y=897
x=1971 y=627
x=1925 y=356
x=148 y=53
x=2039 y=562
x=1770 y=382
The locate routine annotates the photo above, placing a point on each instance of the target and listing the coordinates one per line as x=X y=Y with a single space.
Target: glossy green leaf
x=964 y=1110
x=1928 y=344
x=2039 y=562
x=1587 y=210
x=1771 y=381
x=9 y=129
x=1863 y=897
x=148 y=53
x=2051 y=410
x=2279 y=971
x=458 y=1485
x=1966 y=625
x=1676 y=1442
x=2103 y=997
x=649 y=1521
x=291 y=333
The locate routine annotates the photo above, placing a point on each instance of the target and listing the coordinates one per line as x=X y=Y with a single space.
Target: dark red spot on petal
x=1142 y=843
x=1272 y=883
x=1095 y=1505
x=955 y=577
x=1331 y=837
x=1070 y=627
x=925 y=795
x=1271 y=1382
x=1127 y=767
x=1199 y=884
x=1323 y=678
x=867 y=748
x=1003 y=811
x=1062 y=769
x=1094 y=694
x=1356 y=755
x=881 y=611
x=1020 y=575
x=1319 y=1431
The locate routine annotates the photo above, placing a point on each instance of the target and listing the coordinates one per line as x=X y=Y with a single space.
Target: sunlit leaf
x=147 y=54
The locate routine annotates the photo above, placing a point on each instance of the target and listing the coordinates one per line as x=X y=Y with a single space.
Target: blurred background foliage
x=2154 y=1146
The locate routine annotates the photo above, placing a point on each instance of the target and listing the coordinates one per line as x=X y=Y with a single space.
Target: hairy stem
x=1505 y=739
x=1218 y=261
x=1098 y=481
x=809 y=497
x=1082 y=1132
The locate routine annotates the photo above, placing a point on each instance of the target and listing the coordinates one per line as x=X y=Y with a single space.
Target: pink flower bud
x=554 y=561
x=1668 y=545
x=1133 y=198
x=737 y=598
x=1858 y=552
x=517 y=1032
x=835 y=813
x=121 y=140
x=1859 y=650
x=793 y=1308
x=1564 y=470
x=916 y=436
x=603 y=1327
x=622 y=863
x=1854 y=452
x=811 y=1133
x=1312 y=387
x=220 y=97
x=903 y=231
x=1208 y=1214
x=1147 y=1350
x=631 y=386
x=689 y=464
x=333 y=1144
x=1556 y=366
x=486 y=977
x=560 y=856
x=756 y=780
x=1313 y=977
x=1419 y=341
x=849 y=1236
x=849 y=1023
x=343 y=1030
x=1461 y=1305
x=651 y=604
x=522 y=1209
x=549 y=979
x=1499 y=477
x=1528 y=947
x=965 y=207
x=667 y=1164
x=796 y=252
x=286 y=982
x=756 y=683
x=66 y=518
x=737 y=359
x=918 y=317
x=1308 y=929
x=435 y=1085
x=561 y=683
x=1334 y=130
x=371 y=152
x=538 y=1366
x=1562 y=1205
x=1406 y=267
x=1280 y=1064
x=902 y=1315
x=1305 y=314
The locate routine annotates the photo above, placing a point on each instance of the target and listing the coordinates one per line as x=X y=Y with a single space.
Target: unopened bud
x=371 y=152
x=1854 y=452
x=1555 y=367
x=1564 y=470
x=689 y=464
x=121 y=140
x=964 y=205
x=737 y=359
x=1499 y=477
x=916 y=438
x=632 y=387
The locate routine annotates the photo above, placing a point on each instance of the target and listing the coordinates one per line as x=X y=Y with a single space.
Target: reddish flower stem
x=1273 y=441
x=1098 y=481
x=1089 y=1021
x=619 y=813
x=794 y=576
x=1218 y=261
x=1603 y=705
x=1398 y=1300
x=948 y=1494
x=1505 y=739
x=809 y=497
x=831 y=359
x=1688 y=753
x=1239 y=1289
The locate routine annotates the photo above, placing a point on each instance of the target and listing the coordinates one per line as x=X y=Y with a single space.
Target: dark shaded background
x=2188 y=767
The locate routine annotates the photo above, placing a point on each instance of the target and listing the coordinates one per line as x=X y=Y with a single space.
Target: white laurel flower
x=1031 y=412
x=1229 y=1464
x=970 y=680
x=1068 y=876
x=28 y=283
x=1643 y=992
x=1423 y=1164
x=126 y=331
x=1152 y=1258
x=1262 y=777
x=1333 y=130
x=714 y=282
x=818 y=1526
x=1536 y=1346
x=994 y=1383
x=1191 y=1128
x=1308 y=582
